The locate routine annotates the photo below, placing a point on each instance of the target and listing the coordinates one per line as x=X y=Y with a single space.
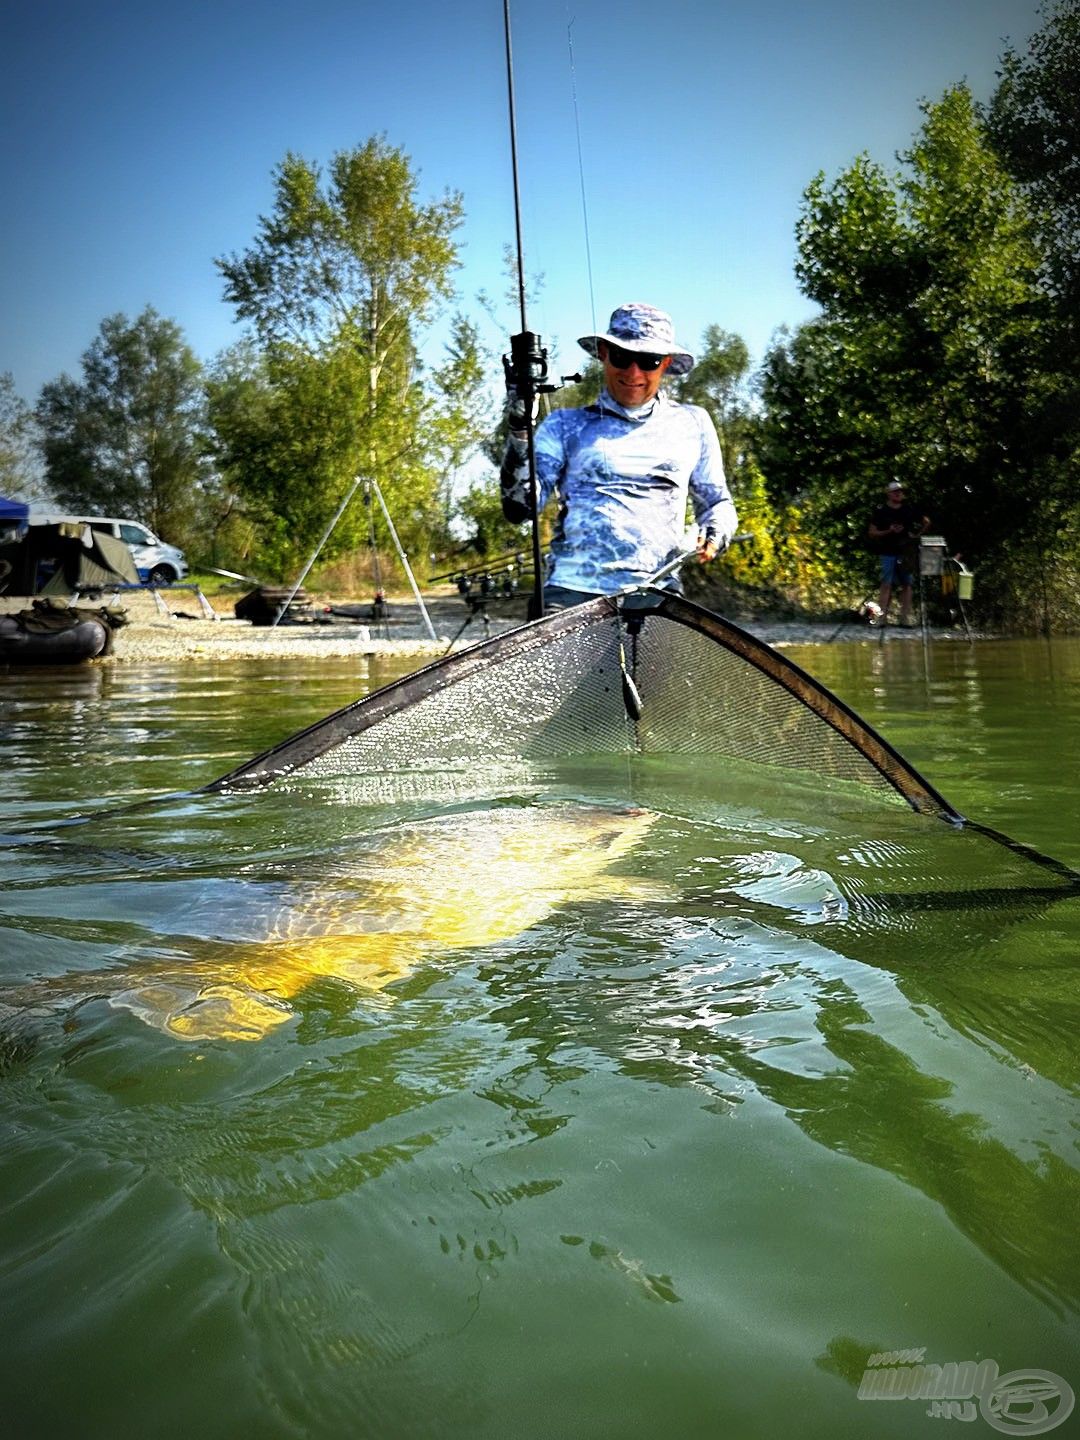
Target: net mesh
x=559 y=699
x=556 y=690
x=703 y=699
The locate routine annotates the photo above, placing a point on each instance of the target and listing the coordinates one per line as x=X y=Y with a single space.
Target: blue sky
x=140 y=142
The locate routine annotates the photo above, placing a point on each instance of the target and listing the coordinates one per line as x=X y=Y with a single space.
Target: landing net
x=556 y=690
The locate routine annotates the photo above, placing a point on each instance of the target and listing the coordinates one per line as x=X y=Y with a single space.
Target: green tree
x=490 y=533
x=129 y=437
x=289 y=435
x=20 y=468
x=924 y=362
x=461 y=419
x=342 y=276
x=355 y=258
x=1034 y=122
x=718 y=384
x=237 y=403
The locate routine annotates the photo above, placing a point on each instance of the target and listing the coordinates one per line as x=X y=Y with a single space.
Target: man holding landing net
x=623 y=468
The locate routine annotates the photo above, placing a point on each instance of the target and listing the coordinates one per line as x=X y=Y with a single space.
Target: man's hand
x=711 y=543
x=516 y=412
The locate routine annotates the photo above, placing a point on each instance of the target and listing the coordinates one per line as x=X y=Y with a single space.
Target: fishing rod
x=526 y=367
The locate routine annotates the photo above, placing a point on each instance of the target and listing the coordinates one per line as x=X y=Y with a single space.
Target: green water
x=790 y=1081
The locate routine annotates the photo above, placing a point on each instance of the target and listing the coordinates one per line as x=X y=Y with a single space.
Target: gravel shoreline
x=179 y=635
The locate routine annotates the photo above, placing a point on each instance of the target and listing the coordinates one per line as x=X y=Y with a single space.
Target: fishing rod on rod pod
x=510 y=560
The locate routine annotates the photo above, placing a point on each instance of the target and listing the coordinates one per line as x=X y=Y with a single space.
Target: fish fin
x=214 y=1012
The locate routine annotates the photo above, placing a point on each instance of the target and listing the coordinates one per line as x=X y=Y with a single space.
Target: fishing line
x=581 y=173
x=514 y=164
x=630 y=693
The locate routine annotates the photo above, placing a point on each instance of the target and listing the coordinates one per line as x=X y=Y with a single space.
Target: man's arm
x=514 y=473
x=714 y=509
x=514 y=480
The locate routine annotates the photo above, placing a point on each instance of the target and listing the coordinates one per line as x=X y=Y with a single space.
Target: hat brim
x=682 y=362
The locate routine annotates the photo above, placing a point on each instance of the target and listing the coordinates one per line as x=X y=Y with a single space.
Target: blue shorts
x=894 y=571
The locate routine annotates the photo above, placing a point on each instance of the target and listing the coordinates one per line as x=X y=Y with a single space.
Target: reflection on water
x=659 y=1118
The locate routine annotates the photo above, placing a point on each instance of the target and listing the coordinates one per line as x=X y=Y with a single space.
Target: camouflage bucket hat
x=643 y=328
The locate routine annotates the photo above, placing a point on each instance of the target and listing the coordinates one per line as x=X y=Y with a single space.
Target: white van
x=156 y=562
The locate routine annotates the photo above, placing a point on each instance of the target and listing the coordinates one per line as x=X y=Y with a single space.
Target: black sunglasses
x=623 y=359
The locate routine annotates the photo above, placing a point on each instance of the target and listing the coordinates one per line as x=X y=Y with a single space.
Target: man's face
x=895 y=498
x=629 y=384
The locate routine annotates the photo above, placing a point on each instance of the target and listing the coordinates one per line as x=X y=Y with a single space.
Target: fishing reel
x=526 y=369
x=527 y=378
x=476 y=588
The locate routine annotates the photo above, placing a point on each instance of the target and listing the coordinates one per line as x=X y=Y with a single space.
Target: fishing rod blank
x=528 y=359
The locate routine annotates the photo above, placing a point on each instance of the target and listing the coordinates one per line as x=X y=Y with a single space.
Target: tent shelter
x=62 y=559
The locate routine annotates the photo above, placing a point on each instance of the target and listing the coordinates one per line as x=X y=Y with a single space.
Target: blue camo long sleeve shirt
x=622 y=478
